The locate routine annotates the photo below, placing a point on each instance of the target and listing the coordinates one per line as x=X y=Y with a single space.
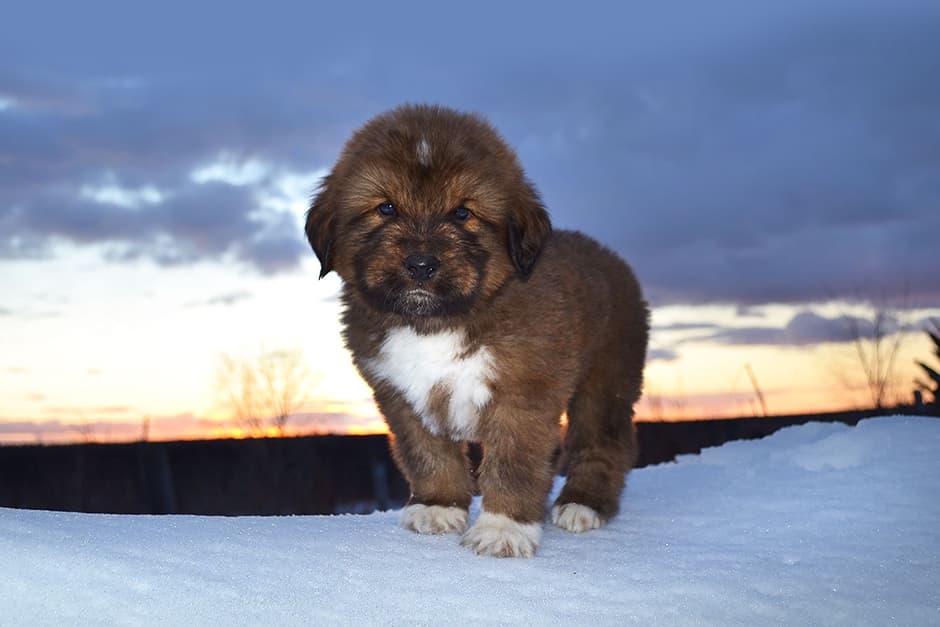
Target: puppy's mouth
x=418 y=302
x=390 y=292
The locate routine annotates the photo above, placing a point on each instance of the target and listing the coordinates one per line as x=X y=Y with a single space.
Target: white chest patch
x=415 y=364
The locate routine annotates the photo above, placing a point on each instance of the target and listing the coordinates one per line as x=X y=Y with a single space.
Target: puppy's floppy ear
x=529 y=228
x=321 y=226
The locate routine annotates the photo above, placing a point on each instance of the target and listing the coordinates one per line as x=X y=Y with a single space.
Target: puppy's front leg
x=515 y=478
x=435 y=467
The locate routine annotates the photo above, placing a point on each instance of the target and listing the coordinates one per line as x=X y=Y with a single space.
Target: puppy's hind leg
x=601 y=449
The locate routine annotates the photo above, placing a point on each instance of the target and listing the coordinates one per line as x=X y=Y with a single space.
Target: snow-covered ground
x=817 y=524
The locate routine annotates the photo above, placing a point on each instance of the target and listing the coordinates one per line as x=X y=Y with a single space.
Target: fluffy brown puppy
x=473 y=321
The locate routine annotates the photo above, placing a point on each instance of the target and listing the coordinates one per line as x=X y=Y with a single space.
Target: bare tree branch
x=877 y=343
x=268 y=389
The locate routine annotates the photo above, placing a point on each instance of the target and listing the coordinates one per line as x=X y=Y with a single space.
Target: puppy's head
x=426 y=213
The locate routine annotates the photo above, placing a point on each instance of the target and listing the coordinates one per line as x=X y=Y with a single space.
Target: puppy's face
x=426 y=213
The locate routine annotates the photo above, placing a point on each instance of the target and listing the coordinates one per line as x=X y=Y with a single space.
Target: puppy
x=473 y=321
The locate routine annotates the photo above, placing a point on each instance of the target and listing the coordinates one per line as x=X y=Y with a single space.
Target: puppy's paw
x=433 y=519
x=575 y=517
x=497 y=535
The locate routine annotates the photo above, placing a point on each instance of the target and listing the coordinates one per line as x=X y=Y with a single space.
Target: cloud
x=927 y=323
x=228 y=169
x=806 y=328
x=745 y=153
x=194 y=222
x=123 y=197
x=685 y=326
x=661 y=354
x=277 y=247
x=181 y=426
x=227 y=299
x=23 y=431
x=6 y=312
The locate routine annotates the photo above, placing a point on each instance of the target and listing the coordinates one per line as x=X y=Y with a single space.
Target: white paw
x=433 y=519
x=576 y=518
x=501 y=536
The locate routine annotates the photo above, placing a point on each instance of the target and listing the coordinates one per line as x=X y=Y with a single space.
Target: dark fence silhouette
x=303 y=475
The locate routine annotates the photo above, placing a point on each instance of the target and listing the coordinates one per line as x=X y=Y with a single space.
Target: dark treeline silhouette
x=267 y=476
x=308 y=475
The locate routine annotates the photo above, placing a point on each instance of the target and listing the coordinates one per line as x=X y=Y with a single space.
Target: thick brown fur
x=543 y=322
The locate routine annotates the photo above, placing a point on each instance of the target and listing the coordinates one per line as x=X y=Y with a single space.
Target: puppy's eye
x=386 y=209
x=462 y=213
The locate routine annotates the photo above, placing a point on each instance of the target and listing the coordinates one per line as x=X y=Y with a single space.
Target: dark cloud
x=59 y=431
x=108 y=429
x=19 y=426
x=745 y=311
x=928 y=323
x=96 y=430
x=276 y=248
x=743 y=153
x=685 y=326
x=6 y=312
x=198 y=221
x=227 y=299
x=807 y=328
x=661 y=354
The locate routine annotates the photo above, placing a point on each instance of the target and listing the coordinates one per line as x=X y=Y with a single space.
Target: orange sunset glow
x=142 y=360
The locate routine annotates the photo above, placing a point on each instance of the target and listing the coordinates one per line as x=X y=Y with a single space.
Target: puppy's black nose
x=422 y=267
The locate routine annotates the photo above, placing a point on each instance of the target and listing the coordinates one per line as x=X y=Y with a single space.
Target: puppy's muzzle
x=422 y=268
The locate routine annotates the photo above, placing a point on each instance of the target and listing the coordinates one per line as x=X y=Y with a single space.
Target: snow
x=816 y=524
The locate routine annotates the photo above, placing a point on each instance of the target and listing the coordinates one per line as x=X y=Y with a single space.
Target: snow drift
x=817 y=524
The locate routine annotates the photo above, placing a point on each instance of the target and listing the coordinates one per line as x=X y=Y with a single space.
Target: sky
x=771 y=171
